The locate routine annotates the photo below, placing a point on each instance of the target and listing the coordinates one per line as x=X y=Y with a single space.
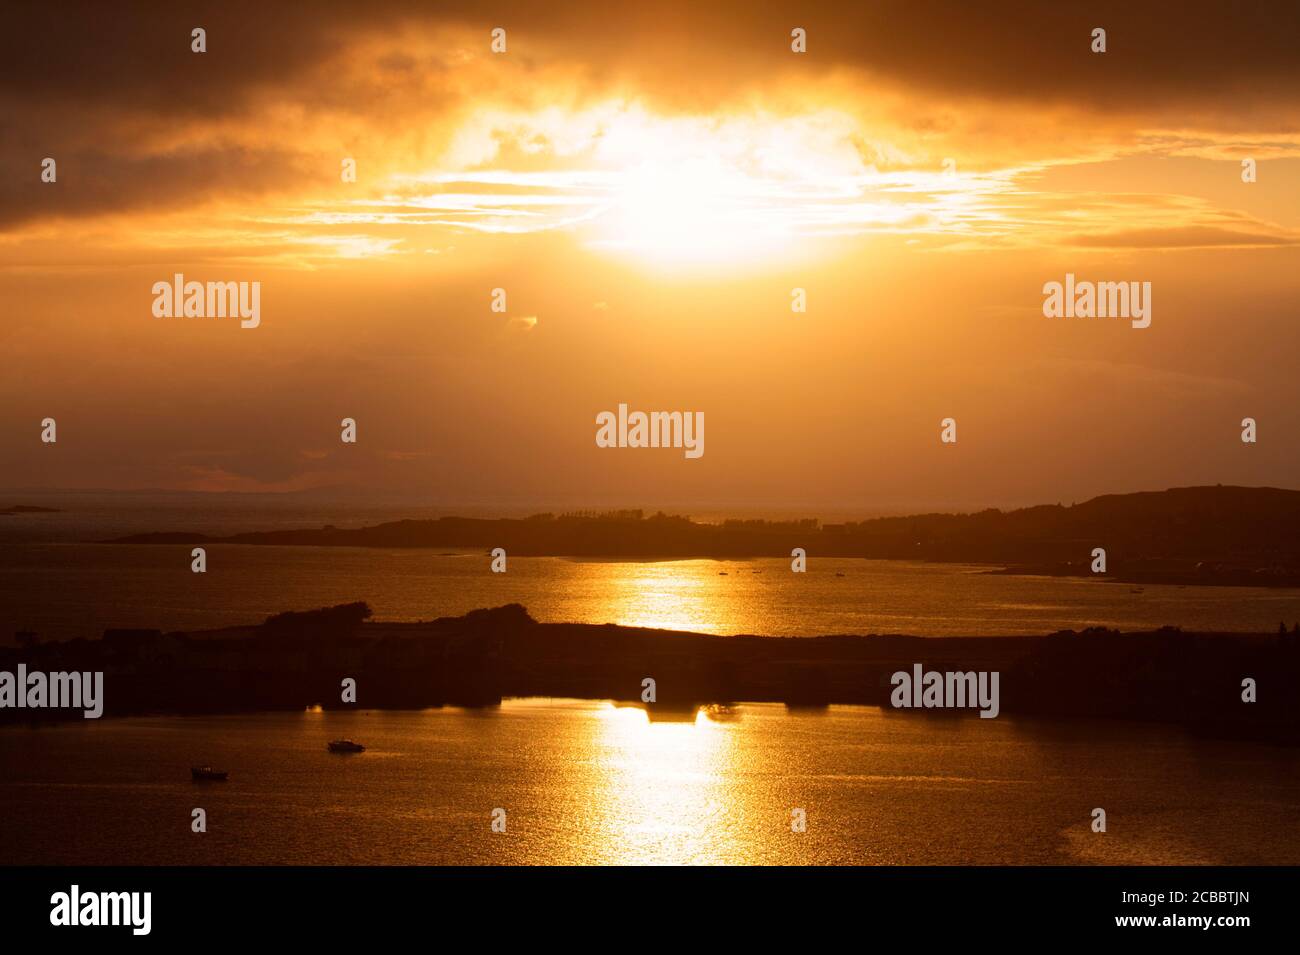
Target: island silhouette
x=1221 y=535
x=299 y=659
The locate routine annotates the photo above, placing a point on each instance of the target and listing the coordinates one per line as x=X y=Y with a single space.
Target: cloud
x=1203 y=49
x=678 y=139
x=521 y=324
x=94 y=183
x=1188 y=237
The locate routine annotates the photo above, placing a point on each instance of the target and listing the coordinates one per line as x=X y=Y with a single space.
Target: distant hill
x=1189 y=535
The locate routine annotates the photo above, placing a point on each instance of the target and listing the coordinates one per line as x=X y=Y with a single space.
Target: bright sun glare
x=695 y=209
x=678 y=191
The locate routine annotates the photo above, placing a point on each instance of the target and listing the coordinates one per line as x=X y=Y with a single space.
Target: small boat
x=207 y=773
x=838 y=574
x=722 y=573
x=721 y=712
x=345 y=746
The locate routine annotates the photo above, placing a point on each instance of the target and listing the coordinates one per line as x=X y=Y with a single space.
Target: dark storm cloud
x=1159 y=53
x=92 y=183
x=137 y=56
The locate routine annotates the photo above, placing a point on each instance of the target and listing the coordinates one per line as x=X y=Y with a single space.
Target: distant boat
x=345 y=746
x=207 y=773
x=1137 y=590
x=838 y=574
x=722 y=573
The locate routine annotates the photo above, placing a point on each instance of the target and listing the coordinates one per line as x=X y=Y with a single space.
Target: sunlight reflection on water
x=586 y=782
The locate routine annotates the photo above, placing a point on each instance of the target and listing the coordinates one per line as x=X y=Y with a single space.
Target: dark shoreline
x=295 y=660
x=1156 y=573
x=1194 y=536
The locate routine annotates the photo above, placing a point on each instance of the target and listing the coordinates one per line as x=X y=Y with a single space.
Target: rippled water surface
x=585 y=782
x=67 y=590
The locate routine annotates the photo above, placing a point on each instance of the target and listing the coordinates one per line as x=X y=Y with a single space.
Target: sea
x=59 y=581
x=579 y=782
x=554 y=781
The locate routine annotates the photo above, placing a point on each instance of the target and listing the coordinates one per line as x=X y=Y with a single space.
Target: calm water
x=584 y=782
x=67 y=590
x=53 y=583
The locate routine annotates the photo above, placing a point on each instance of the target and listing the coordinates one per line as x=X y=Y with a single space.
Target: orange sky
x=648 y=187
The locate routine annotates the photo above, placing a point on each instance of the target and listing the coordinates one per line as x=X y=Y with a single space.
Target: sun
x=697 y=209
x=742 y=191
